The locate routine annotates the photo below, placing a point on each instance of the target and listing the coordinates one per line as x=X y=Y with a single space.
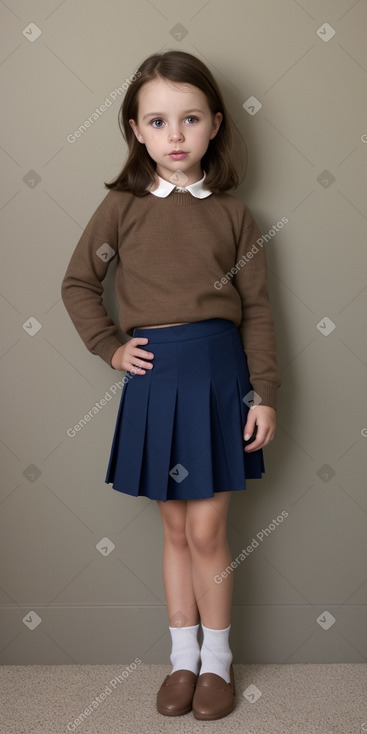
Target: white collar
x=197 y=189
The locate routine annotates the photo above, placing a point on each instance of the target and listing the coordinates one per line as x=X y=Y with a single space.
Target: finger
x=255 y=445
x=141 y=363
x=137 y=369
x=142 y=354
x=263 y=437
x=140 y=368
x=138 y=340
x=250 y=426
x=260 y=437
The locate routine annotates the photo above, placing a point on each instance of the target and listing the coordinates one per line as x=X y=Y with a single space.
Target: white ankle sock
x=185 y=653
x=216 y=656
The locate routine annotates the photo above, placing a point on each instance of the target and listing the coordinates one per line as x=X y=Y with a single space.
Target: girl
x=191 y=283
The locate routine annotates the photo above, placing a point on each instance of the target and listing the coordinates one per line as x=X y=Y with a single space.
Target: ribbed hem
x=107 y=348
x=267 y=391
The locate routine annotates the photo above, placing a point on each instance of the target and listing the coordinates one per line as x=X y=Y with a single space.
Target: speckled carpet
x=110 y=699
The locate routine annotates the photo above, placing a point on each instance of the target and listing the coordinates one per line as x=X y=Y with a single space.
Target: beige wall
x=307 y=161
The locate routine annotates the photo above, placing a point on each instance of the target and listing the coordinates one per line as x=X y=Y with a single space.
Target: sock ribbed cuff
x=185 y=654
x=216 y=655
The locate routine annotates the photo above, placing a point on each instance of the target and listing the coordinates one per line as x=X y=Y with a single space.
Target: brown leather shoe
x=175 y=695
x=214 y=698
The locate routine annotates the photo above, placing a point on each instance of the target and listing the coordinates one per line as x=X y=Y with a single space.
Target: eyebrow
x=162 y=114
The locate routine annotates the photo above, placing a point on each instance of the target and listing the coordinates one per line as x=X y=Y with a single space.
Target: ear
x=135 y=128
x=217 y=119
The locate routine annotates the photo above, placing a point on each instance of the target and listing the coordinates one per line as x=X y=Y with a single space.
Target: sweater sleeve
x=82 y=289
x=257 y=327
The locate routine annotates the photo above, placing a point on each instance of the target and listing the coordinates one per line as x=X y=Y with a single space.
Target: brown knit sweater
x=180 y=259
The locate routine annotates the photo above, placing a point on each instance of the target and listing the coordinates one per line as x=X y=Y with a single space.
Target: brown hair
x=223 y=157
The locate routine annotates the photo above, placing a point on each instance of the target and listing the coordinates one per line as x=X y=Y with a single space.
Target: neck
x=181 y=178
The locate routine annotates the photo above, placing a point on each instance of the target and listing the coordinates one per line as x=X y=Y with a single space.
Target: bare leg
x=206 y=533
x=196 y=551
x=177 y=566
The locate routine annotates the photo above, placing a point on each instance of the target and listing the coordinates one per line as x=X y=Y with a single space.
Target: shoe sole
x=174 y=713
x=213 y=717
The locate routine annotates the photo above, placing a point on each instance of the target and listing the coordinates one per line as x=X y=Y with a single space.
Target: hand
x=128 y=357
x=264 y=417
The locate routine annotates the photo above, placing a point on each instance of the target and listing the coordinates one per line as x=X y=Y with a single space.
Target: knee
x=205 y=541
x=175 y=534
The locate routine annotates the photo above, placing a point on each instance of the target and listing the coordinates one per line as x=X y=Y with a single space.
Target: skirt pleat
x=191 y=435
x=179 y=429
x=156 y=440
x=129 y=435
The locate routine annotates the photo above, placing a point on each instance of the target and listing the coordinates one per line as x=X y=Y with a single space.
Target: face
x=175 y=124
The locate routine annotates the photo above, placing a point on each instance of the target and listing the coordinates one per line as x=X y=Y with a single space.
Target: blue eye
x=158 y=122
x=158 y=119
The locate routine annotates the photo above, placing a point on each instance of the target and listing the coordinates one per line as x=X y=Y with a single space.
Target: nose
x=175 y=133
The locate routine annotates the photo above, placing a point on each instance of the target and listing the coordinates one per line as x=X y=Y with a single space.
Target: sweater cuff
x=107 y=348
x=267 y=391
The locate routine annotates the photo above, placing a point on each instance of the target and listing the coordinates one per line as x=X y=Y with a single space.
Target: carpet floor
x=111 y=699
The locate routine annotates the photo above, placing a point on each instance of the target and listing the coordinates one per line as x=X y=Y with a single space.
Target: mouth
x=177 y=154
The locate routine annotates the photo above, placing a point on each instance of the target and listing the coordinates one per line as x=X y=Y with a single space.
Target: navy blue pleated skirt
x=179 y=429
